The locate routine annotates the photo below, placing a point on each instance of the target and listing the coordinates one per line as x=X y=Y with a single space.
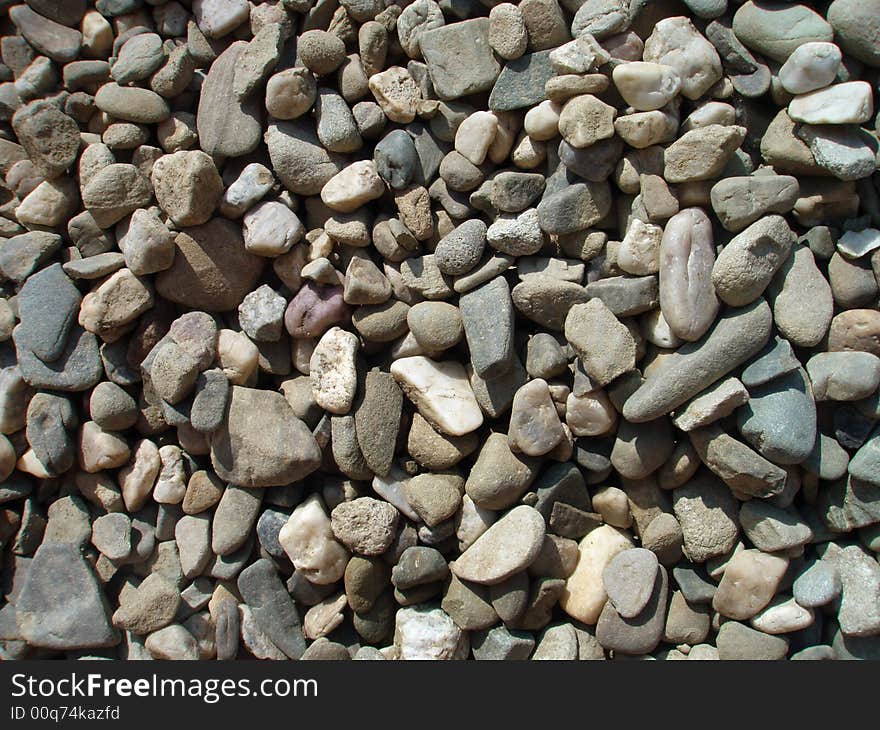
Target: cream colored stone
x=237 y=356
x=352 y=187
x=136 y=479
x=474 y=136
x=646 y=86
x=99 y=449
x=308 y=540
x=333 y=371
x=441 y=392
x=584 y=595
x=171 y=484
x=542 y=121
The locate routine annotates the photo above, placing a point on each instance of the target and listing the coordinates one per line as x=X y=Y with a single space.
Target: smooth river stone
x=687 y=255
x=736 y=336
x=742 y=469
x=740 y=201
x=750 y=581
x=803 y=304
x=746 y=265
x=441 y=392
x=507 y=547
x=227 y=126
x=847 y=103
x=584 y=594
x=776 y=29
x=779 y=420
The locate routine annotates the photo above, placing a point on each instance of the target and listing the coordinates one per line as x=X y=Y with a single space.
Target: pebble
x=777 y=32
x=818 y=585
x=707 y=513
x=507 y=547
x=687 y=297
x=847 y=103
x=365 y=525
x=241 y=450
x=333 y=372
x=441 y=392
x=593 y=320
x=751 y=579
x=273 y=610
x=629 y=580
x=425 y=633
x=845 y=376
x=736 y=336
x=309 y=542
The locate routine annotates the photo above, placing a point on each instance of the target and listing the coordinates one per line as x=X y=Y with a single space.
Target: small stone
x=591 y=322
x=585 y=120
x=740 y=201
x=707 y=512
x=50 y=137
x=811 y=66
x=750 y=581
x=702 y=153
x=309 y=542
x=332 y=370
x=261 y=443
x=642 y=633
x=459 y=251
x=365 y=525
x=188 y=186
x=777 y=31
x=535 y=428
x=675 y=42
x=646 y=86
x=424 y=633
x=818 y=585
x=459 y=57
x=436 y=326
x=846 y=103
x=844 y=376
x=629 y=580
x=739 y=642
x=435 y=497
x=507 y=31
x=149 y=607
x=234 y=519
x=273 y=609
x=716 y=402
x=507 y=547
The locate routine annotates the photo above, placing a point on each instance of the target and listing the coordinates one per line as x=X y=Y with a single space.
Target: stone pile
x=339 y=329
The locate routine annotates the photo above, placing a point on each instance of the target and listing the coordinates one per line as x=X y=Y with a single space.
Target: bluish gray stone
x=488 y=318
x=272 y=606
x=521 y=82
x=776 y=359
x=48 y=305
x=772 y=529
x=818 y=585
x=268 y=526
x=460 y=60
x=779 y=419
x=78 y=368
x=500 y=643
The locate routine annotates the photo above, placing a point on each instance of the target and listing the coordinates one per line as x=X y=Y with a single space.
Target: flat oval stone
x=534 y=428
x=507 y=547
x=750 y=581
x=687 y=255
x=629 y=580
x=802 y=299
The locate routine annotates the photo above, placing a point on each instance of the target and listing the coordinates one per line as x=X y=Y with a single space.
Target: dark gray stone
x=48 y=305
x=61 y=605
x=78 y=368
x=272 y=606
x=396 y=158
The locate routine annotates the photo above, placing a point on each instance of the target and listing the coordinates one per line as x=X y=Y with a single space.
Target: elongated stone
x=735 y=337
x=746 y=265
x=687 y=255
x=507 y=547
x=272 y=606
x=741 y=468
x=487 y=315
